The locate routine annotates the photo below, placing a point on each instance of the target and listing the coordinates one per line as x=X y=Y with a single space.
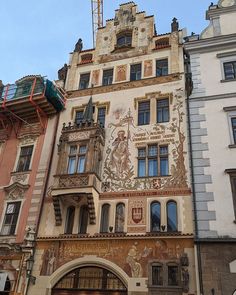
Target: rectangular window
x=24 y=158
x=79 y=117
x=153 y=161
x=157 y=275
x=144 y=113
x=107 y=77
x=135 y=72
x=233 y=121
x=230 y=70
x=233 y=188
x=161 y=67
x=173 y=275
x=84 y=81
x=76 y=160
x=10 y=219
x=101 y=116
x=162 y=110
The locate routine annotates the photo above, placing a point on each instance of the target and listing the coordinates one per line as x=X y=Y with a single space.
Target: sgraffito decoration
x=120 y=158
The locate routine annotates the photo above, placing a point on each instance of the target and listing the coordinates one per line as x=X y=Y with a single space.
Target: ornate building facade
x=28 y=115
x=117 y=217
x=212 y=107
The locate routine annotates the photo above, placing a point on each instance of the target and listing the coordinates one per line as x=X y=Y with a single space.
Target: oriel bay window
x=77 y=157
x=10 y=218
x=153 y=161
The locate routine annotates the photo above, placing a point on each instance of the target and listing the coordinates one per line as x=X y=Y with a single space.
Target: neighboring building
x=117 y=218
x=27 y=126
x=213 y=135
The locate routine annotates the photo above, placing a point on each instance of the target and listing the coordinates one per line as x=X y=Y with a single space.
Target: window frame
x=226 y=57
x=116 y=214
x=69 y=224
x=233 y=62
x=231 y=114
x=79 y=120
x=81 y=225
x=19 y=158
x=167 y=223
x=110 y=78
x=102 y=123
x=159 y=265
x=128 y=34
x=19 y=204
x=103 y=220
x=173 y=264
x=162 y=60
x=77 y=156
x=155 y=202
x=232 y=179
x=88 y=82
x=132 y=66
x=148 y=157
x=145 y=113
x=162 y=108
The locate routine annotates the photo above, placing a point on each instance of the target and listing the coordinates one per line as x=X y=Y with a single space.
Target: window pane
x=83 y=220
x=120 y=218
x=70 y=220
x=164 y=167
x=234 y=128
x=104 y=218
x=173 y=275
x=155 y=216
x=79 y=117
x=10 y=219
x=162 y=110
x=24 y=159
x=142 y=152
x=141 y=168
x=73 y=149
x=135 y=72
x=101 y=116
x=143 y=113
x=152 y=167
x=84 y=81
x=230 y=70
x=152 y=150
x=157 y=275
x=172 y=216
x=71 y=165
x=81 y=164
x=107 y=77
x=82 y=149
x=162 y=67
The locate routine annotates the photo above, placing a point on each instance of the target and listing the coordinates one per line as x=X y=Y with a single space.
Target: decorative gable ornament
x=226 y=3
x=16 y=191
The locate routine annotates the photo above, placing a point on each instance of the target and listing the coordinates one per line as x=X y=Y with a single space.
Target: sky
x=37 y=36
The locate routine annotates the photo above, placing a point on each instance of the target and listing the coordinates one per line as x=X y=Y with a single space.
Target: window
x=135 y=72
x=144 y=112
x=173 y=274
x=83 y=219
x=24 y=158
x=155 y=217
x=162 y=67
x=84 y=81
x=162 y=110
x=157 y=275
x=232 y=174
x=79 y=117
x=10 y=219
x=104 y=226
x=233 y=121
x=70 y=220
x=120 y=218
x=107 y=77
x=153 y=161
x=230 y=70
x=124 y=39
x=101 y=116
x=77 y=156
x=172 y=224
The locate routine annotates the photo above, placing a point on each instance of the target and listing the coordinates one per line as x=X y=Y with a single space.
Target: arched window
x=120 y=218
x=70 y=220
x=83 y=219
x=155 y=216
x=172 y=219
x=104 y=218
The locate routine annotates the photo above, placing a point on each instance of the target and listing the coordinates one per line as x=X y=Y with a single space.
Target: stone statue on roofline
x=62 y=73
x=79 y=46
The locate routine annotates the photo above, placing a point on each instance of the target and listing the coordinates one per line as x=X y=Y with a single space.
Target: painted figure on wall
x=120 y=153
x=132 y=259
x=49 y=260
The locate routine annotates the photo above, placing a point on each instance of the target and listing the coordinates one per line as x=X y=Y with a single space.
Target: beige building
x=117 y=218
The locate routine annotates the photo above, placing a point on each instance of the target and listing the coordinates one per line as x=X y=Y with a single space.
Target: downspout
x=45 y=187
x=188 y=83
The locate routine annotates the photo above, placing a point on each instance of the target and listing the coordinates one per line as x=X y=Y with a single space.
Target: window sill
x=165 y=288
x=232 y=146
x=157 y=176
x=228 y=80
x=21 y=172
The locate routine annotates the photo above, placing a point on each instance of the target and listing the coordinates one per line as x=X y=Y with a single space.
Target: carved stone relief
x=75 y=136
x=137 y=212
x=16 y=191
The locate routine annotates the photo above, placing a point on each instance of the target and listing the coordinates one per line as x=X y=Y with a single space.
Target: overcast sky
x=37 y=36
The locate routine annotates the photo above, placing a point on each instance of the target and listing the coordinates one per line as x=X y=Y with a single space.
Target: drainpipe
x=188 y=81
x=45 y=187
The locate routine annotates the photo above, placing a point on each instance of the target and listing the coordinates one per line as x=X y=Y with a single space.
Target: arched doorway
x=7 y=287
x=90 y=280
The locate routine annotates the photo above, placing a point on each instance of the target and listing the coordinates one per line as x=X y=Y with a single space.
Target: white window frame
x=226 y=57
x=18 y=156
x=230 y=115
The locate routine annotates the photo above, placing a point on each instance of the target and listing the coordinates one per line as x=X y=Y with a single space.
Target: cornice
x=211 y=44
x=125 y=85
x=214 y=97
x=212 y=13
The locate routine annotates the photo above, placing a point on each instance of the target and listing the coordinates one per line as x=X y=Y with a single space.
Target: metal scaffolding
x=97 y=17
